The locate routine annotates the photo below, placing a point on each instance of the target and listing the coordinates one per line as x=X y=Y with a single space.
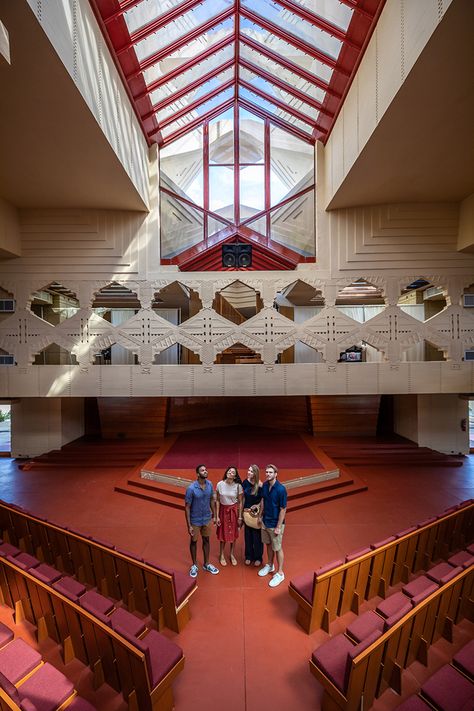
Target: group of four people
x=225 y=508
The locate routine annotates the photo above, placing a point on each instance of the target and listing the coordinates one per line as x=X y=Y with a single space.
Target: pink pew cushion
x=357 y=554
x=46 y=573
x=449 y=690
x=70 y=588
x=393 y=604
x=420 y=588
x=304 y=585
x=331 y=657
x=6 y=635
x=364 y=625
x=24 y=560
x=47 y=688
x=122 y=619
x=329 y=566
x=17 y=660
x=161 y=655
x=463 y=559
x=443 y=573
x=464 y=659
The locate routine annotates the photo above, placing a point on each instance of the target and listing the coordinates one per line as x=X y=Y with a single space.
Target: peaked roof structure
x=287 y=60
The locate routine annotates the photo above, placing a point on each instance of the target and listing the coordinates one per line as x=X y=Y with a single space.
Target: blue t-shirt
x=274 y=499
x=200 y=502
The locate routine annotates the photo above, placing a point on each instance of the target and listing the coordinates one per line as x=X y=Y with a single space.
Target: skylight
x=290 y=60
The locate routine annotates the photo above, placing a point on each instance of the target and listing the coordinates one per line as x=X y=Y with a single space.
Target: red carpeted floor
x=244 y=650
x=223 y=447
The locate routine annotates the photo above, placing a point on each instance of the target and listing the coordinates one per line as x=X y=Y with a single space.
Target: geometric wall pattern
x=269 y=333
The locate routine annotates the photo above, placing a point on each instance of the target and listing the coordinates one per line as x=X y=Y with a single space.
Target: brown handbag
x=251 y=519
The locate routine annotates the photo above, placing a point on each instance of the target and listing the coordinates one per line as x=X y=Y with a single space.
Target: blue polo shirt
x=274 y=499
x=200 y=502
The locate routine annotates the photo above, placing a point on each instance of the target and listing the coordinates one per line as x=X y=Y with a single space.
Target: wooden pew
x=345 y=586
x=380 y=666
x=164 y=594
x=112 y=658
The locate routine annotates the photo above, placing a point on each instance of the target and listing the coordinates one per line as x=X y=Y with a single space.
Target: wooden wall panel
x=281 y=413
x=133 y=418
x=353 y=415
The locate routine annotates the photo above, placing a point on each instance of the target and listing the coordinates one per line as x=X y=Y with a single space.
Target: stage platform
x=310 y=475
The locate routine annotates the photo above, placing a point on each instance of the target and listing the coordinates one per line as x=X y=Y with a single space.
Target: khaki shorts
x=269 y=537
x=205 y=531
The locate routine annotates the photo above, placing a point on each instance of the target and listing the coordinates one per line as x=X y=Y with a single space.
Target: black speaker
x=235 y=255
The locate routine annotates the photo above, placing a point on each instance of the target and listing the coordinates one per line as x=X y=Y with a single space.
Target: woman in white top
x=229 y=499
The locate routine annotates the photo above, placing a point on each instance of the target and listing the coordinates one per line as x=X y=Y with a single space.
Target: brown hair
x=275 y=469
x=256 y=471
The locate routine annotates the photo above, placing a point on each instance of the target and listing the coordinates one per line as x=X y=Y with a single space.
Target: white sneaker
x=276 y=580
x=265 y=570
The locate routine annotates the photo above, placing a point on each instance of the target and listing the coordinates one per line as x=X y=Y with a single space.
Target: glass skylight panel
x=251 y=137
x=291 y=165
x=221 y=138
x=284 y=74
x=286 y=51
x=189 y=51
x=270 y=108
x=200 y=111
x=221 y=190
x=331 y=10
x=145 y=12
x=279 y=94
x=292 y=225
x=181 y=166
x=191 y=75
x=194 y=95
x=291 y=23
x=178 y=29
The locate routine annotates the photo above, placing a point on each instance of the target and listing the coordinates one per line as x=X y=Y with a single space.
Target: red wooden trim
x=277 y=121
x=374 y=18
x=195 y=104
x=317 y=21
x=177 y=44
x=282 y=203
x=194 y=206
x=176 y=95
x=279 y=104
x=291 y=66
x=185 y=66
x=159 y=22
x=271 y=79
x=289 y=38
x=197 y=122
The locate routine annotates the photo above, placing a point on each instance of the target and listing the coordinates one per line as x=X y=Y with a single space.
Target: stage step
x=152 y=491
x=302 y=497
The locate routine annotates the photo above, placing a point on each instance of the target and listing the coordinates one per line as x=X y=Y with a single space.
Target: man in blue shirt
x=200 y=509
x=274 y=499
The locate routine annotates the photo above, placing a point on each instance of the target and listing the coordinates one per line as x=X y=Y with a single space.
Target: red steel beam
x=354 y=5
x=189 y=64
x=178 y=44
x=176 y=95
x=277 y=121
x=317 y=21
x=271 y=79
x=282 y=203
x=154 y=25
x=123 y=7
x=279 y=104
x=192 y=204
x=287 y=64
x=195 y=104
x=196 y=122
x=289 y=38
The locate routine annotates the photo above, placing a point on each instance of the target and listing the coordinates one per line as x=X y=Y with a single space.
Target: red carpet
x=220 y=448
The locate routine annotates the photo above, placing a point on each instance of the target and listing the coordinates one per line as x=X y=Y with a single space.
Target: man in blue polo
x=274 y=499
x=200 y=510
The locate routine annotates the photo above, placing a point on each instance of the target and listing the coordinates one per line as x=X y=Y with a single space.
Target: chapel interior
x=236 y=232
